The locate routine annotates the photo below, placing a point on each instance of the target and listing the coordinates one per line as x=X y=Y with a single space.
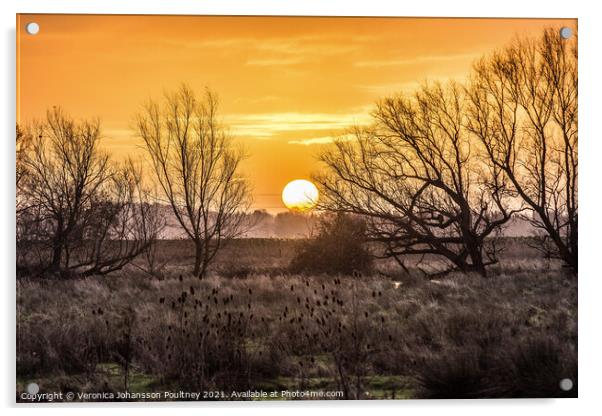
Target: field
x=251 y=327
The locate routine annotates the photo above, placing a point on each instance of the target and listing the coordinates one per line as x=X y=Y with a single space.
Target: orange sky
x=287 y=85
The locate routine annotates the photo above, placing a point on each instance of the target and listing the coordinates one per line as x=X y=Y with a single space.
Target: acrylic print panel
x=280 y=208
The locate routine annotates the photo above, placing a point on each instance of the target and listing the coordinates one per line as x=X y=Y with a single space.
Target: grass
x=397 y=336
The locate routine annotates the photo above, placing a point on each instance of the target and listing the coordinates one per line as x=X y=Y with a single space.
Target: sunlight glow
x=300 y=195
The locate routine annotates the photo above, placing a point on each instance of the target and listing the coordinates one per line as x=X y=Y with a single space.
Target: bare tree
x=87 y=216
x=23 y=144
x=66 y=170
x=415 y=178
x=120 y=225
x=524 y=111
x=197 y=169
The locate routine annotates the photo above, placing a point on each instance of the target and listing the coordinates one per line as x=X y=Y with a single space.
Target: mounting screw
x=32 y=28
x=566 y=32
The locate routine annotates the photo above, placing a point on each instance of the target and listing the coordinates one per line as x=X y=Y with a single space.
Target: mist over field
x=295 y=225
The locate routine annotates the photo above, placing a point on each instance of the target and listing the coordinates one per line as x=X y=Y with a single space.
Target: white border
x=590 y=279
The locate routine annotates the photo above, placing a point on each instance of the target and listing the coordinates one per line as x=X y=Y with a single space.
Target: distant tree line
x=439 y=172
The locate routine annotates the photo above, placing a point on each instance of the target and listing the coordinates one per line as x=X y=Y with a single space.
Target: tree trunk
x=57 y=251
x=575 y=248
x=203 y=270
x=476 y=259
x=198 y=258
x=478 y=266
x=474 y=247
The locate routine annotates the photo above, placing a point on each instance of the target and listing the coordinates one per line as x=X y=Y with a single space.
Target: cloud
x=300 y=49
x=257 y=100
x=390 y=88
x=274 y=61
x=308 y=45
x=409 y=87
x=424 y=59
x=116 y=133
x=270 y=124
x=322 y=140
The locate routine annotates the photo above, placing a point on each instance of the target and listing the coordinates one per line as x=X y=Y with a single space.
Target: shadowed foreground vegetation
x=258 y=327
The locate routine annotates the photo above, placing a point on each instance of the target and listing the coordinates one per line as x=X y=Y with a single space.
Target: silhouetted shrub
x=531 y=367
x=339 y=247
x=537 y=365
x=455 y=374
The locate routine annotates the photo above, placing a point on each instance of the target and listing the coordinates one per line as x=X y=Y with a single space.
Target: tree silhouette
x=415 y=178
x=197 y=169
x=23 y=144
x=524 y=111
x=87 y=215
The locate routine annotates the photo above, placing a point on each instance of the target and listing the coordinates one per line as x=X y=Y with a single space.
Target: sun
x=300 y=195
